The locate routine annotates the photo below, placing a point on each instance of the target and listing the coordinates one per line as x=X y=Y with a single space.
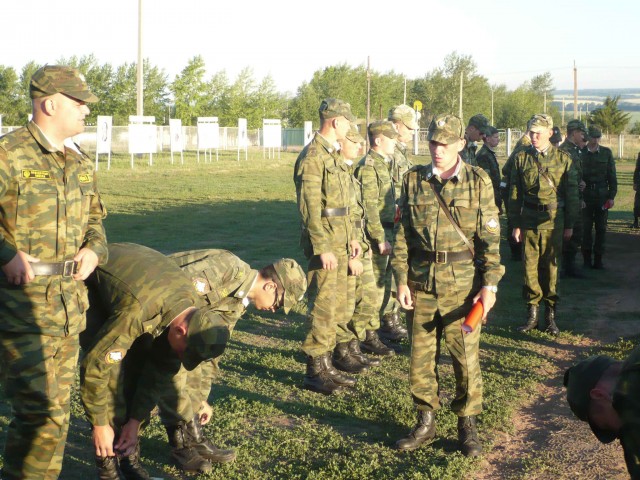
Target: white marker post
x=242 y=137
x=208 y=136
x=176 y=139
x=103 y=138
x=271 y=136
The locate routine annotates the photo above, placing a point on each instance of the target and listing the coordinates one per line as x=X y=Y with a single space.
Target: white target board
x=103 y=133
x=308 y=132
x=271 y=133
x=143 y=135
x=175 y=132
x=208 y=133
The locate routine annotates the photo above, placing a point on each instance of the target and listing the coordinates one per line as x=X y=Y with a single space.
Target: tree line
x=192 y=94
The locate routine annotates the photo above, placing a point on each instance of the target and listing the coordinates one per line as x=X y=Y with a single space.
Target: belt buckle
x=69 y=268
x=441 y=257
x=541 y=208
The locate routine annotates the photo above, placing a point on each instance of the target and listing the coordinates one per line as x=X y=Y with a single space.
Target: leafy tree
x=9 y=96
x=190 y=92
x=635 y=129
x=609 y=117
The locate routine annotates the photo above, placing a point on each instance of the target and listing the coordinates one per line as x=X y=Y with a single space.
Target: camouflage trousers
x=327 y=296
x=636 y=204
x=435 y=316
x=572 y=246
x=385 y=283
x=540 y=250
x=190 y=389
x=362 y=298
x=594 y=216
x=38 y=374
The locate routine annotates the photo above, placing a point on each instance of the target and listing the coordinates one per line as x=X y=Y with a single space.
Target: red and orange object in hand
x=474 y=317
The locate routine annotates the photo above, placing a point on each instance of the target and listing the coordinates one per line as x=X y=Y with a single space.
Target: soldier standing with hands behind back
x=51 y=238
x=446 y=258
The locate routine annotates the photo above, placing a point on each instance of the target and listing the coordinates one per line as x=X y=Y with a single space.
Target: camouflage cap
x=446 y=129
x=353 y=134
x=333 y=107
x=207 y=337
x=556 y=136
x=293 y=280
x=491 y=130
x=540 y=122
x=382 y=127
x=579 y=380
x=479 y=121
x=594 y=132
x=576 y=125
x=52 y=79
x=404 y=114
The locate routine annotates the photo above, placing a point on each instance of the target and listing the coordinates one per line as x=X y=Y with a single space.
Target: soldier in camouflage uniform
x=323 y=184
x=228 y=285
x=600 y=188
x=440 y=275
x=505 y=186
x=374 y=173
x=474 y=132
x=362 y=296
x=487 y=160
x=636 y=200
x=404 y=119
x=575 y=132
x=146 y=321
x=543 y=204
x=606 y=393
x=51 y=238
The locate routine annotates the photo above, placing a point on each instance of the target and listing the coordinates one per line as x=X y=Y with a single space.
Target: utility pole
x=404 y=98
x=575 y=90
x=563 y=111
x=492 y=106
x=460 y=109
x=368 y=100
x=139 y=85
x=544 y=108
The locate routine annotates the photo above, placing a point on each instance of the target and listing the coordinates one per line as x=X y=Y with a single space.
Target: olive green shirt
x=599 y=175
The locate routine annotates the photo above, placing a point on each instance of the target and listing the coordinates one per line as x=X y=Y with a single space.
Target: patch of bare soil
x=549 y=441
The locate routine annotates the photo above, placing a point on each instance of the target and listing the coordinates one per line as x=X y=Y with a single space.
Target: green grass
x=280 y=430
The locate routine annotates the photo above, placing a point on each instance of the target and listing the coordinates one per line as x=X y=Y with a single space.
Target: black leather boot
x=183 y=452
x=597 y=262
x=516 y=251
x=107 y=468
x=586 y=255
x=391 y=329
x=373 y=345
x=570 y=266
x=550 y=320
x=336 y=376
x=423 y=431
x=635 y=222
x=131 y=468
x=205 y=447
x=532 y=319
x=343 y=360
x=468 y=437
x=354 y=348
x=317 y=379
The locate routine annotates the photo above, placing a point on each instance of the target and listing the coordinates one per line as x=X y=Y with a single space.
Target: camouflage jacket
x=531 y=192
x=49 y=208
x=400 y=164
x=576 y=156
x=599 y=174
x=378 y=196
x=221 y=278
x=636 y=173
x=424 y=227
x=322 y=181
x=505 y=183
x=626 y=402
x=358 y=215
x=141 y=291
x=486 y=159
x=468 y=153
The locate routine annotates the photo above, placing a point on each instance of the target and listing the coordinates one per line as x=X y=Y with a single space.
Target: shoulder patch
x=369 y=161
x=480 y=172
x=85 y=178
x=492 y=225
x=115 y=356
x=201 y=285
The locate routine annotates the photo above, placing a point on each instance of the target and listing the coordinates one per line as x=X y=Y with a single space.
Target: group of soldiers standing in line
x=125 y=309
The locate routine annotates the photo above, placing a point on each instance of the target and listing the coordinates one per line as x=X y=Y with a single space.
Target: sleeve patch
x=492 y=225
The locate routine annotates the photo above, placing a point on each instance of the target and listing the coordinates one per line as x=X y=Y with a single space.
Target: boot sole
x=338 y=389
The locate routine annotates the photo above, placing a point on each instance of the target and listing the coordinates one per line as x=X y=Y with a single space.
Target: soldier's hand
x=385 y=248
x=568 y=232
x=517 y=235
x=329 y=261
x=404 y=297
x=488 y=299
x=355 y=267
x=17 y=270
x=87 y=263
x=103 y=440
x=582 y=185
x=204 y=413
x=583 y=204
x=356 y=249
x=128 y=439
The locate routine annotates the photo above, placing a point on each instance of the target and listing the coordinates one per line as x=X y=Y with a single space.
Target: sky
x=510 y=41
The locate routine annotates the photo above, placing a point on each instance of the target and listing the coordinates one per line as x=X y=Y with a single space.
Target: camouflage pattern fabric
x=443 y=292
x=487 y=160
x=626 y=402
x=322 y=181
x=572 y=246
x=505 y=183
x=599 y=174
x=468 y=153
x=528 y=189
x=400 y=164
x=49 y=208
x=636 y=187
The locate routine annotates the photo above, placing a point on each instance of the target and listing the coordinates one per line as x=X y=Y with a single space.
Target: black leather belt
x=66 y=269
x=388 y=224
x=335 y=212
x=442 y=257
x=539 y=207
x=596 y=185
x=359 y=224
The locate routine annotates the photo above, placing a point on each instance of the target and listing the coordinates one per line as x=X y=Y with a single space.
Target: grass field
x=280 y=430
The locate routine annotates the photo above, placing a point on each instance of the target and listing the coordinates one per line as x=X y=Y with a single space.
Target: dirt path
x=549 y=442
